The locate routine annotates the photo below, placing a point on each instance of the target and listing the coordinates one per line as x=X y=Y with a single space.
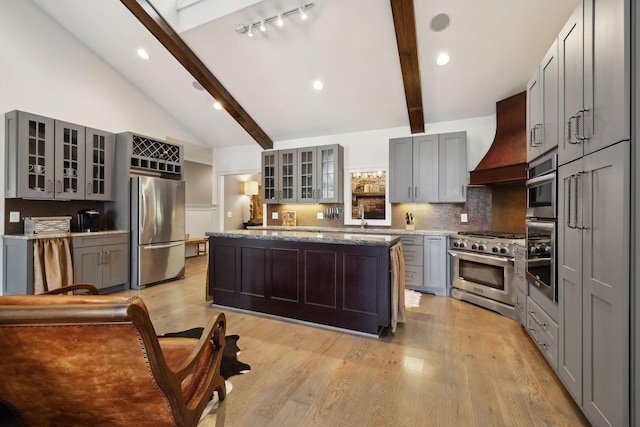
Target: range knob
x=533 y=250
x=455 y=244
x=504 y=250
x=496 y=249
x=463 y=245
x=482 y=247
x=547 y=249
x=474 y=246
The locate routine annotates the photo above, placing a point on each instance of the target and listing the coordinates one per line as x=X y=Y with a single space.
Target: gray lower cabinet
x=428 y=168
x=17 y=277
x=544 y=331
x=413 y=250
x=425 y=260
x=101 y=260
x=593 y=283
x=520 y=284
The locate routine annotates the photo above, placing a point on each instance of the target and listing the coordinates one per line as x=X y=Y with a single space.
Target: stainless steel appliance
x=157 y=230
x=542 y=187
x=482 y=268
x=541 y=265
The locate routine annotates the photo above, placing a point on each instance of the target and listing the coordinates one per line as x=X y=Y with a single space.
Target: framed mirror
x=367 y=194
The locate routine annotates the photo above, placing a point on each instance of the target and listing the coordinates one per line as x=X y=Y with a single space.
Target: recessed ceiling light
x=439 y=22
x=143 y=54
x=317 y=84
x=217 y=105
x=443 y=59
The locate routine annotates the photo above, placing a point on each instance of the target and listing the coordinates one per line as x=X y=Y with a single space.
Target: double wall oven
x=541 y=225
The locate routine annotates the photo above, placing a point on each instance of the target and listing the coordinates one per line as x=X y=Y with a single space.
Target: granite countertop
x=63 y=235
x=339 y=237
x=388 y=231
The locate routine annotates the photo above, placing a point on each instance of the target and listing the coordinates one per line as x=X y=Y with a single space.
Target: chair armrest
x=213 y=332
x=88 y=288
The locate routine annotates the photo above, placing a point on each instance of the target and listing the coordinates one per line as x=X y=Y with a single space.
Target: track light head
x=262 y=27
x=250 y=32
x=280 y=22
x=303 y=14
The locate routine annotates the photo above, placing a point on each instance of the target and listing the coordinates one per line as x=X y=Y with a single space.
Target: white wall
x=47 y=71
x=368 y=149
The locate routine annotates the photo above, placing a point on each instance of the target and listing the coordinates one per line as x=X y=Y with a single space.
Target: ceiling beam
x=144 y=11
x=404 y=21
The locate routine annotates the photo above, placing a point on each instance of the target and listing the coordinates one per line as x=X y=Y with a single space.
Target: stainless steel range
x=482 y=268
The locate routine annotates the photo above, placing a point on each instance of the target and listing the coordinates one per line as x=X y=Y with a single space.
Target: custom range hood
x=506 y=159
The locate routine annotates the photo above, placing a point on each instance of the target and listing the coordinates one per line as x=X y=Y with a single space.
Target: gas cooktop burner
x=496 y=234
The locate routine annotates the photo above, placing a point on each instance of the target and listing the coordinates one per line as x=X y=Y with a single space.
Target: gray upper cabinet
x=401 y=170
x=279 y=176
x=452 y=168
x=428 y=168
x=320 y=174
x=99 y=164
x=594 y=78
x=52 y=159
x=303 y=175
x=542 y=106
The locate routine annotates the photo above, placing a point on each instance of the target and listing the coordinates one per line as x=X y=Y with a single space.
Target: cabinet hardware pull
x=89 y=188
x=569 y=133
x=99 y=258
x=49 y=186
x=533 y=316
x=581 y=225
x=535 y=337
x=107 y=257
x=415 y=192
x=568 y=199
x=579 y=116
x=536 y=143
x=409 y=192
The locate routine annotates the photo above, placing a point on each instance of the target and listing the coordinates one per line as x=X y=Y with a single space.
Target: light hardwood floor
x=450 y=364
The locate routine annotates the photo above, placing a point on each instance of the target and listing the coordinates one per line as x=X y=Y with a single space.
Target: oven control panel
x=487 y=245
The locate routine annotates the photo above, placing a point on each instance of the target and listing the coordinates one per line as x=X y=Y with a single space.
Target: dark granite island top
x=336 y=279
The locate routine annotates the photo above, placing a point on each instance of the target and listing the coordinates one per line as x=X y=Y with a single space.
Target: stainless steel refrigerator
x=157 y=230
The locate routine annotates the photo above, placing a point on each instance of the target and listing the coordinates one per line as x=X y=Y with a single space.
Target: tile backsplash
x=497 y=207
x=40 y=208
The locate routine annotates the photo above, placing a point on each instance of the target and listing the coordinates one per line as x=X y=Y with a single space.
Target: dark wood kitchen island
x=335 y=279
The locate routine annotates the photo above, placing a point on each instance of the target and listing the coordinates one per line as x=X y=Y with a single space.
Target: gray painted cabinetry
x=593 y=279
x=303 y=175
x=101 y=260
x=425 y=263
x=520 y=284
x=542 y=106
x=52 y=159
x=428 y=168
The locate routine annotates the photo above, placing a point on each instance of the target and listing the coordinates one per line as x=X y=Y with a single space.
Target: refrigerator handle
x=142 y=207
x=169 y=245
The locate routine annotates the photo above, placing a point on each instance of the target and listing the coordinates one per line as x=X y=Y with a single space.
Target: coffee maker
x=88 y=220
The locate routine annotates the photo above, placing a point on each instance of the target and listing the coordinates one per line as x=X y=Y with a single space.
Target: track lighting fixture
x=248 y=28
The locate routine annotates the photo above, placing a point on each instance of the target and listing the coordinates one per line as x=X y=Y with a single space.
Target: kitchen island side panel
x=345 y=286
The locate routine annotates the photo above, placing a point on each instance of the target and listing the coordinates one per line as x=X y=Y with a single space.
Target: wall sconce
x=250 y=188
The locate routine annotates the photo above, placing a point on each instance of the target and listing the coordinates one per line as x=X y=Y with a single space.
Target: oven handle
x=483 y=257
x=544 y=178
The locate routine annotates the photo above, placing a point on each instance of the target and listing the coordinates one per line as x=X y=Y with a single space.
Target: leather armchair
x=95 y=360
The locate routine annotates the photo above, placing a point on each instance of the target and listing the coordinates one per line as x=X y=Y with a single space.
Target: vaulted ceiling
x=350 y=45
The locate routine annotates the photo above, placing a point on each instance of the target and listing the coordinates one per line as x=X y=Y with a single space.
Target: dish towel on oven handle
x=397 y=286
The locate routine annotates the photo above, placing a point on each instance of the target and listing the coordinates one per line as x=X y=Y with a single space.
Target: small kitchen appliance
x=88 y=220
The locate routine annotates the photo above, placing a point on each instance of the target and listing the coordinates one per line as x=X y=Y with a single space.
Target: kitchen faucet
x=363 y=224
